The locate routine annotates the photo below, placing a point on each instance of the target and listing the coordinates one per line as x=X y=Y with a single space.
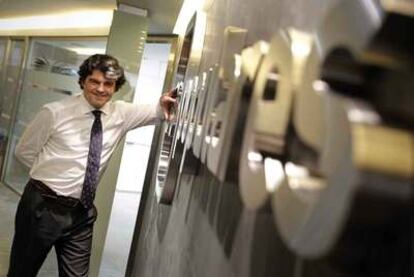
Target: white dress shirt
x=55 y=144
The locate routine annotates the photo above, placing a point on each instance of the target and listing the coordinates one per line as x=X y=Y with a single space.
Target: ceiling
x=17 y=8
x=162 y=14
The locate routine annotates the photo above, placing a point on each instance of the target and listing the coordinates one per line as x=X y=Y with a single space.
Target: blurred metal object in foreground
x=350 y=199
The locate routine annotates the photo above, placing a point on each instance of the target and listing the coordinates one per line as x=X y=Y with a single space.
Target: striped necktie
x=94 y=158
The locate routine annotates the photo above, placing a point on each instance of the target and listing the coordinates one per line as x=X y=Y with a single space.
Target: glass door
x=12 y=52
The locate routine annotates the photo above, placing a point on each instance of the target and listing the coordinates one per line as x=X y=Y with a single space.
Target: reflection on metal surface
x=189 y=112
x=274 y=174
x=254 y=157
x=178 y=137
x=308 y=105
x=300 y=43
x=205 y=138
x=398 y=6
x=320 y=87
x=199 y=94
x=165 y=191
x=359 y=113
x=302 y=183
x=225 y=103
x=200 y=116
x=237 y=65
x=250 y=61
x=383 y=149
x=163 y=163
x=182 y=113
x=270 y=100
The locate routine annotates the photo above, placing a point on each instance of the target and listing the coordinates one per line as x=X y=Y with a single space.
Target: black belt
x=48 y=193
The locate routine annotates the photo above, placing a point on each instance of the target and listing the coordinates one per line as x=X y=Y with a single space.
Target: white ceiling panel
x=162 y=14
x=17 y=8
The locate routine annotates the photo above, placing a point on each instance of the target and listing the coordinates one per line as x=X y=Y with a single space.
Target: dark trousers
x=44 y=220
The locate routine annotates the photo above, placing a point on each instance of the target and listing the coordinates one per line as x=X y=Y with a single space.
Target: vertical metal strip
x=172 y=61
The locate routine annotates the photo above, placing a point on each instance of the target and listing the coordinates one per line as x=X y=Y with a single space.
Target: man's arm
x=141 y=115
x=34 y=137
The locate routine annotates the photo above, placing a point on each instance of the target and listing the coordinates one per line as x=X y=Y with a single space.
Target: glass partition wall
x=12 y=52
x=3 y=131
x=48 y=74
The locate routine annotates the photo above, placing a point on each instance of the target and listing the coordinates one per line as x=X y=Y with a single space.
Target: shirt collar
x=85 y=107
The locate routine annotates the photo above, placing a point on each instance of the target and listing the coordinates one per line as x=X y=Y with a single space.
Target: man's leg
x=35 y=233
x=73 y=249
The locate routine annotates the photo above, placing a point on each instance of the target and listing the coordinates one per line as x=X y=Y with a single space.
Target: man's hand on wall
x=167 y=102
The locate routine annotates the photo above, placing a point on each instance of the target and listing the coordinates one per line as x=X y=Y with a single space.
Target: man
x=67 y=147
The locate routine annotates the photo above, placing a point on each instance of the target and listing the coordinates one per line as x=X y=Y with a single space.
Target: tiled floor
x=116 y=250
x=8 y=204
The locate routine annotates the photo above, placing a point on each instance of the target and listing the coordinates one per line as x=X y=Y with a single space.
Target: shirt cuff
x=159 y=112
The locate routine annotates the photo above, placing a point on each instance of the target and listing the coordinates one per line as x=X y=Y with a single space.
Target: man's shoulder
x=133 y=110
x=121 y=103
x=63 y=104
x=121 y=106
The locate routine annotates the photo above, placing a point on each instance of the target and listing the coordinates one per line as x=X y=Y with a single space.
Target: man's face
x=98 y=89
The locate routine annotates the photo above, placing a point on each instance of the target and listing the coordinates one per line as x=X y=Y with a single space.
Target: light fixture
x=87 y=51
x=69 y=20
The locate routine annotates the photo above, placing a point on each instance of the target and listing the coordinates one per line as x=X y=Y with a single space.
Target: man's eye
x=94 y=82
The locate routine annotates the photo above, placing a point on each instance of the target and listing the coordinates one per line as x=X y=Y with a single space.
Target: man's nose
x=101 y=87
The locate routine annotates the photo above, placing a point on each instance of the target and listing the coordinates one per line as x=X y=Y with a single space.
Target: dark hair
x=107 y=64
